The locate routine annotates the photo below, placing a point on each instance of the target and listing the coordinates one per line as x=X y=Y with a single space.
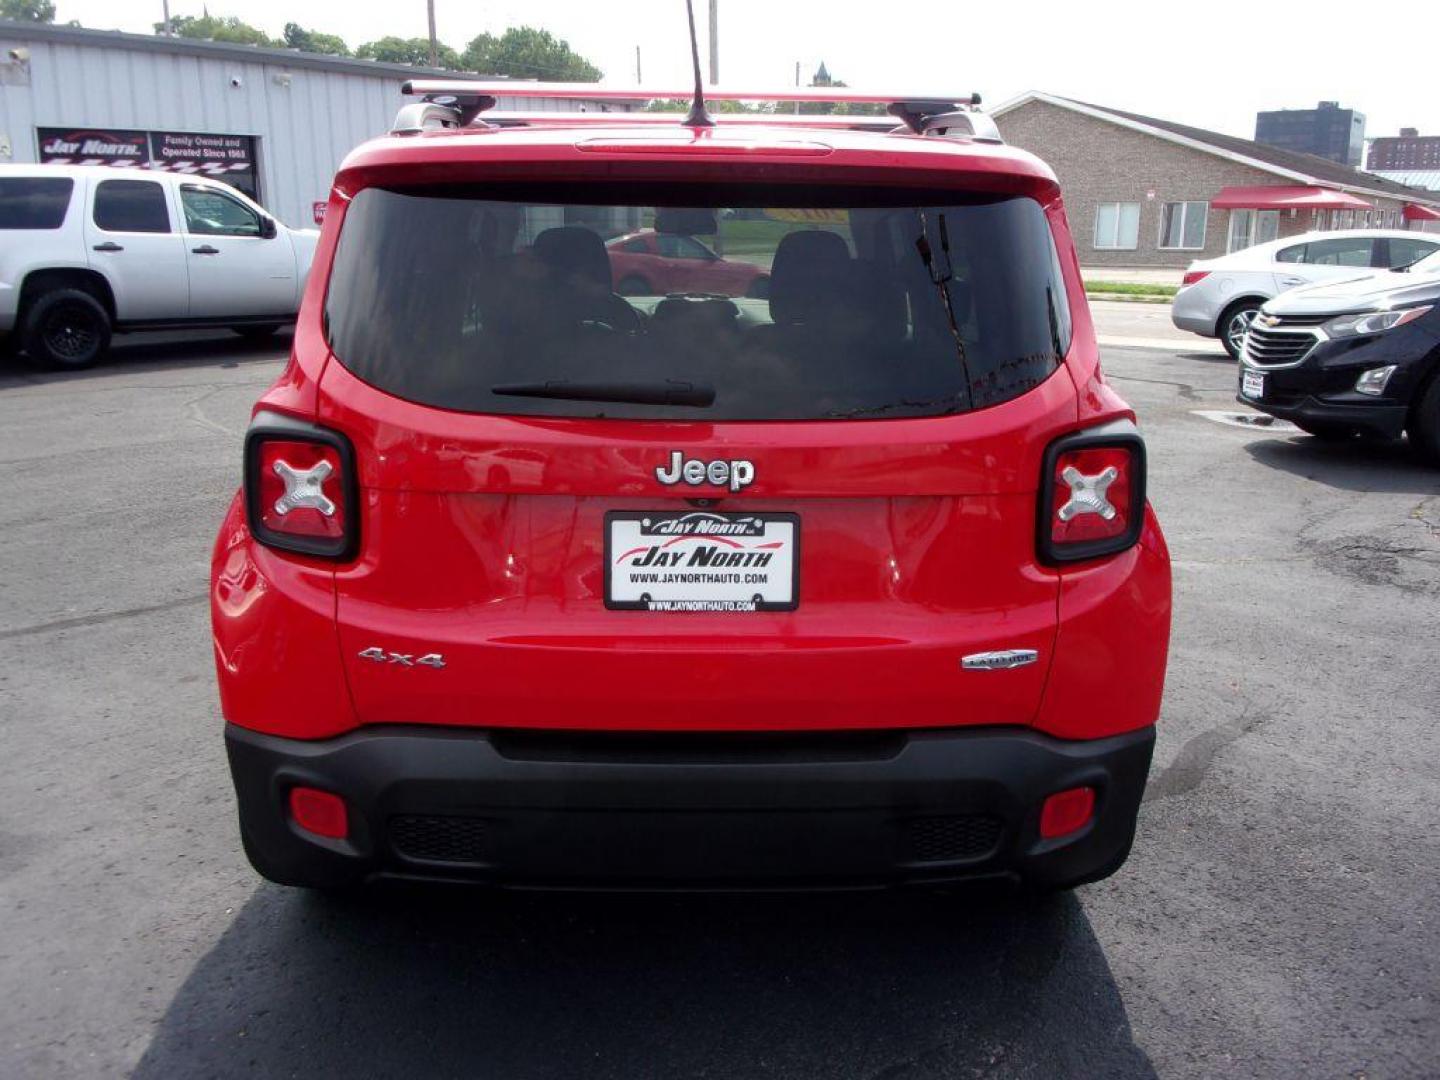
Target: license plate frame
x=1252 y=384
x=738 y=543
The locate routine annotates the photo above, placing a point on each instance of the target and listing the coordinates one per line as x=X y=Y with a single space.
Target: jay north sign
x=230 y=158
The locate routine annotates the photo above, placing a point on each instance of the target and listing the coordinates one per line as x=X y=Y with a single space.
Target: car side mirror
x=268 y=229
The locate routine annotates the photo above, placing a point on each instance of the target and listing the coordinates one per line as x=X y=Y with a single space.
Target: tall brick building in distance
x=1408 y=150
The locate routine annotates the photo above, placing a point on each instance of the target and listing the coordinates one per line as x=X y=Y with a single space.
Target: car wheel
x=759 y=288
x=1424 y=425
x=66 y=328
x=257 y=333
x=1327 y=432
x=1234 y=324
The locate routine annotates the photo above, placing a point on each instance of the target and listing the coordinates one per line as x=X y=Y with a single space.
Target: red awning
x=1415 y=212
x=1280 y=197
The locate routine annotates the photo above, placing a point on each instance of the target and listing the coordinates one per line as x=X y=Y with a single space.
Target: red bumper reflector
x=319 y=812
x=1194 y=277
x=1066 y=812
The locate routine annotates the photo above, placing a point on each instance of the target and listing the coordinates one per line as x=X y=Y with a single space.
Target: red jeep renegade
x=852 y=582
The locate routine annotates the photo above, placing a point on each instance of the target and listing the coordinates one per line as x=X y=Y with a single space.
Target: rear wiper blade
x=669 y=392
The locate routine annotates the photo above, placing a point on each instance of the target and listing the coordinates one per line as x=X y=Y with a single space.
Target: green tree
x=217 y=28
x=297 y=37
x=41 y=11
x=413 y=51
x=523 y=52
x=682 y=105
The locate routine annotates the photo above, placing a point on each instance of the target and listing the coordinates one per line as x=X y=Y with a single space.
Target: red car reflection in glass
x=648 y=263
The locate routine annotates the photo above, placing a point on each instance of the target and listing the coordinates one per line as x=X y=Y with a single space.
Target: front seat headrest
x=807 y=275
x=576 y=254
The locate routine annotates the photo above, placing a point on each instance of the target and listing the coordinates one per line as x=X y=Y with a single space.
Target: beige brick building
x=1143 y=192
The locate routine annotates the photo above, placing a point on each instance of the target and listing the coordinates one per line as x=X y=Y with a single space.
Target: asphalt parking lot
x=1279 y=916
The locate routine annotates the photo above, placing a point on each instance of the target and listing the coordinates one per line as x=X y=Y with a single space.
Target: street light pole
x=434 y=56
x=714 y=42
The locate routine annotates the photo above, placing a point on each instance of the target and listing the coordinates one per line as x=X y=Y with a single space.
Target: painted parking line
x=1204 y=345
x=1251 y=421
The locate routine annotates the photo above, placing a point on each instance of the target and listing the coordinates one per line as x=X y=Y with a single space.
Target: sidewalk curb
x=1128 y=298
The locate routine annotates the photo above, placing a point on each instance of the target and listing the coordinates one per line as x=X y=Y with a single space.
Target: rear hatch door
x=799 y=510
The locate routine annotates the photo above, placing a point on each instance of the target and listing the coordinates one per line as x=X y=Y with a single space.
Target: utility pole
x=638 y=80
x=797 y=85
x=434 y=55
x=169 y=30
x=714 y=42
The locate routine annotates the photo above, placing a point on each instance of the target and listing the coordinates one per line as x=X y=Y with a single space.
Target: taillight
x=1092 y=493
x=300 y=487
x=1194 y=277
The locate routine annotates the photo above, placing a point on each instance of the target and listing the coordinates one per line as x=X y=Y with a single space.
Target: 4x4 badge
x=380 y=656
x=734 y=474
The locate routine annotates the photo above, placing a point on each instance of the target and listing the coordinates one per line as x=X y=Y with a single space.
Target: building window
x=1182 y=225
x=1117 y=226
x=1251 y=227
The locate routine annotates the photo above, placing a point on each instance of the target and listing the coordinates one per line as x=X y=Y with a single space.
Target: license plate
x=1252 y=384
x=699 y=560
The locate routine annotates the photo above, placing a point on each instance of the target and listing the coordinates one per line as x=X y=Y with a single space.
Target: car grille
x=1269 y=347
x=432 y=838
x=953 y=837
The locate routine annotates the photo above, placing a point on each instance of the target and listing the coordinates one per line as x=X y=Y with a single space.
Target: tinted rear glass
x=34 y=202
x=131 y=206
x=745 y=307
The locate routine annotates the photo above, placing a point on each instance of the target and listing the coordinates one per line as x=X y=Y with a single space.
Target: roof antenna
x=697 y=116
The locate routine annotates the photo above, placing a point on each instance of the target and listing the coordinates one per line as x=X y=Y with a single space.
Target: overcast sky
x=1208 y=63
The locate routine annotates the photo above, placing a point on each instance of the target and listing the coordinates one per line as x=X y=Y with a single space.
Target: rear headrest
x=807 y=276
x=575 y=253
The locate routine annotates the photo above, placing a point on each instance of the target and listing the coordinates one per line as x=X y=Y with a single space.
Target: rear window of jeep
x=690 y=303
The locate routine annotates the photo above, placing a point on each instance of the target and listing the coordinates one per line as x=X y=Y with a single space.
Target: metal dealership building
x=275 y=123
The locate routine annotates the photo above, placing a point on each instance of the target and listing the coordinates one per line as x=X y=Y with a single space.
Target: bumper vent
x=951 y=838
x=440 y=839
x=1272 y=347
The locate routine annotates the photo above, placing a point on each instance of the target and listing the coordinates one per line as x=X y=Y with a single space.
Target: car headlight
x=1374 y=322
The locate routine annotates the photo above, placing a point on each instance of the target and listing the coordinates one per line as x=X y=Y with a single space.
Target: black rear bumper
x=828 y=810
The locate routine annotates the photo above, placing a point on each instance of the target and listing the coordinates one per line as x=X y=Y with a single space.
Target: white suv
x=1219 y=297
x=87 y=250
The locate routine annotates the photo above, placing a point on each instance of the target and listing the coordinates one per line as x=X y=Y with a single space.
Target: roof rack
x=832 y=121
x=459 y=103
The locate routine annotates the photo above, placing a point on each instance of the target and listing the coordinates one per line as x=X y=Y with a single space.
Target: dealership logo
x=701 y=524
x=94 y=145
x=734 y=474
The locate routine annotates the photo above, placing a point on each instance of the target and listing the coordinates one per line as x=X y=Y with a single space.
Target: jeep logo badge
x=734 y=474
